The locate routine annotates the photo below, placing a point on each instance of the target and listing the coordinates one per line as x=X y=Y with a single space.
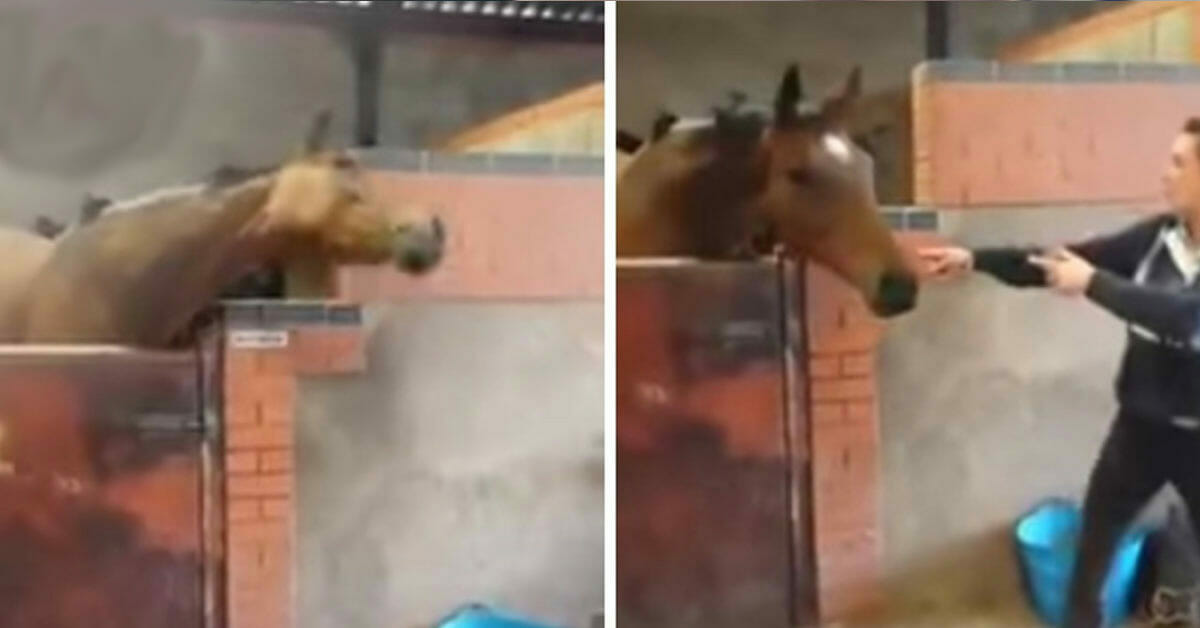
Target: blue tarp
x=479 y=616
x=1048 y=542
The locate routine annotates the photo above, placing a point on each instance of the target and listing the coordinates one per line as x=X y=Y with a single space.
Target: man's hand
x=1066 y=272
x=946 y=262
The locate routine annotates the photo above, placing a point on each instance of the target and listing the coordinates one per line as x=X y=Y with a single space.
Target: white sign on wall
x=258 y=338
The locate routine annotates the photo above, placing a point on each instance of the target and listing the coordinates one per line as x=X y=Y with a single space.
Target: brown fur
x=139 y=276
x=753 y=180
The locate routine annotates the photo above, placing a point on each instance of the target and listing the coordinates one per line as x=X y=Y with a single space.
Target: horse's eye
x=800 y=176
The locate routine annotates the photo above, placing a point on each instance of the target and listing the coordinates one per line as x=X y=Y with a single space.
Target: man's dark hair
x=1192 y=127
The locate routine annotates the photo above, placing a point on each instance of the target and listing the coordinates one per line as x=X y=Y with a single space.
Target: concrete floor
x=1016 y=614
x=965 y=620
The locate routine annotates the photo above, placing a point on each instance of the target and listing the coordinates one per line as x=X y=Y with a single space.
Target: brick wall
x=990 y=134
x=842 y=340
x=842 y=337
x=527 y=236
x=259 y=410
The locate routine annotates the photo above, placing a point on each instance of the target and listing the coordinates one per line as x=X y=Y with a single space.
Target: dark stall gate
x=109 y=508
x=713 y=464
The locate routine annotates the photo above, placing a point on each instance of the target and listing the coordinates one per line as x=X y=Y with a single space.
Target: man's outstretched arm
x=1118 y=253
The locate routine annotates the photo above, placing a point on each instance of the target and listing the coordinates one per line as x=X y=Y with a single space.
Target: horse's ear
x=836 y=110
x=791 y=91
x=318 y=134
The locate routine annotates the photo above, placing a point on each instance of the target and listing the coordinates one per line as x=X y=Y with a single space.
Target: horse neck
x=231 y=221
x=241 y=218
x=719 y=211
x=221 y=235
x=702 y=207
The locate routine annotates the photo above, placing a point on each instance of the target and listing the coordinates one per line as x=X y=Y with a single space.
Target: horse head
x=820 y=196
x=789 y=176
x=319 y=201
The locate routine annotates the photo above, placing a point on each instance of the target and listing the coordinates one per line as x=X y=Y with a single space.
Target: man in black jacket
x=1146 y=275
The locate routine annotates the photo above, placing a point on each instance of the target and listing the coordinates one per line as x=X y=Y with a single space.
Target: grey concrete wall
x=992 y=398
x=118 y=102
x=466 y=465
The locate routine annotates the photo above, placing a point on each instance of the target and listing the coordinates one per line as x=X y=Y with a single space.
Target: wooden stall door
x=102 y=488
x=711 y=525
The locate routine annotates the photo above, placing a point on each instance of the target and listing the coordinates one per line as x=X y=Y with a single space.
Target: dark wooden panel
x=704 y=474
x=101 y=479
x=798 y=437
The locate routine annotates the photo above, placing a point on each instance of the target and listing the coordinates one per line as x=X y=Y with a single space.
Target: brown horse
x=746 y=181
x=263 y=282
x=140 y=272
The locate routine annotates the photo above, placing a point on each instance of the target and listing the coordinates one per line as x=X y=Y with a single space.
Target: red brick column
x=259 y=413
x=842 y=338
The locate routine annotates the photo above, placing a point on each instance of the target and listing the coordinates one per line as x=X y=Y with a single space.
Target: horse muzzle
x=417 y=248
x=895 y=295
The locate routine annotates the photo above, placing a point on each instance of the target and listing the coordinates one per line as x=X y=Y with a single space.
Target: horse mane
x=222 y=178
x=662 y=125
x=733 y=125
x=265 y=281
x=627 y=142
x=48 y=228
x=227 y=176
x=92 y=207
x=730 y=138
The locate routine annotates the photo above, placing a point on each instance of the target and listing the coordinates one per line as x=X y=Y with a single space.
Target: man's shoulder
x=1152 y=223
x=1162 y=218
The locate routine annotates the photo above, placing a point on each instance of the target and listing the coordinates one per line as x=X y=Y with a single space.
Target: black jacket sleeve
x=1118 y=253
x=1172 y=314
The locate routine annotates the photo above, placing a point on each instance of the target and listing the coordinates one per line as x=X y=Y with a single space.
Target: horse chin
x=886 y=310
x=895 y=295
x=417 y=262
x=885 y=298
x=887 y=292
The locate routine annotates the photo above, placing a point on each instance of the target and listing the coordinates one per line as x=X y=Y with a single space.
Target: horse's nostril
x=415 y=261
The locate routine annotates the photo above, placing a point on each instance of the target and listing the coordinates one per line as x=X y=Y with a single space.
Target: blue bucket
x=1048 y=542
x=479 y=616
